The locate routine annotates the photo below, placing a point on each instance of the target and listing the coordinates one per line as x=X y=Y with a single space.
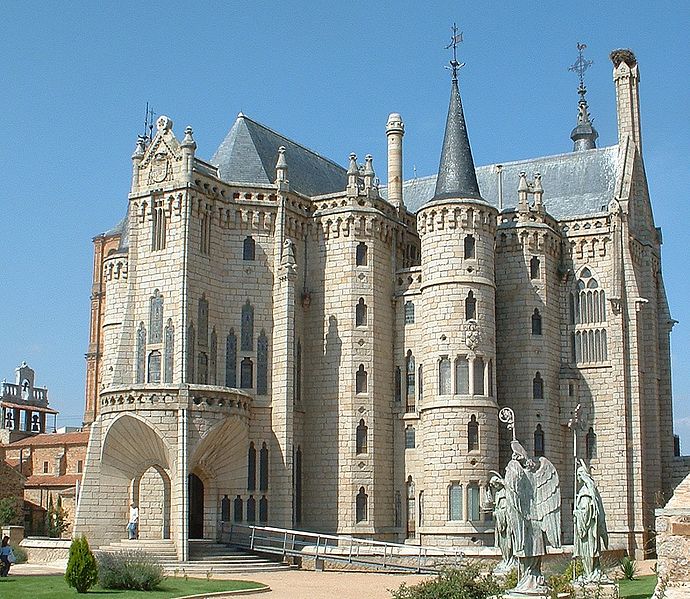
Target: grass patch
x=640 y=588
x=55 y=587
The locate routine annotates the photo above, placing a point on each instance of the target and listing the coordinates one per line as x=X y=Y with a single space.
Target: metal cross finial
x=455 y=39
x=580 y=66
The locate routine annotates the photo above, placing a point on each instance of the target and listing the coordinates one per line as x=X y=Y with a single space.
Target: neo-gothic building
x=277 y=339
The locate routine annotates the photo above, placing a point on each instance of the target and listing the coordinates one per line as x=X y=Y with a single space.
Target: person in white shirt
x=133 y=524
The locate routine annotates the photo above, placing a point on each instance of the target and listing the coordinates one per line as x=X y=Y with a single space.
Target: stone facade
x=275 y=339
x=673 y=536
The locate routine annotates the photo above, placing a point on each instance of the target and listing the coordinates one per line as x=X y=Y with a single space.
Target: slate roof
x=249 y=153
x=575 y=184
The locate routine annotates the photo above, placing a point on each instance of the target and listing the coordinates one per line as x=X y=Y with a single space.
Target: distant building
x=273 y=330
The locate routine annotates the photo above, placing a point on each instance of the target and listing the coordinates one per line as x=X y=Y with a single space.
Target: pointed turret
x=456 y=175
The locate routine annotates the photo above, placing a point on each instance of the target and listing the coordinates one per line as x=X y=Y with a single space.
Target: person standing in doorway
x=133 y=524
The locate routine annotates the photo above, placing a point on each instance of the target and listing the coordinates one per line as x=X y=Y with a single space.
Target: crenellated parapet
x=115 y=267
x=365 y=225
x=451 y=215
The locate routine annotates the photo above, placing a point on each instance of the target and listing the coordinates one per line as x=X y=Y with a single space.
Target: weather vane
x=581 y=65
x=455 y=39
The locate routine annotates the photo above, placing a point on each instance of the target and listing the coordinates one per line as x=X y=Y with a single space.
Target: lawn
x=55 y=587
x=640 y=588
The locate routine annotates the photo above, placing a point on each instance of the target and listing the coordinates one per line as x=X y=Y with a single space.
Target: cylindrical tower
x=458 y=416
x=395 y=129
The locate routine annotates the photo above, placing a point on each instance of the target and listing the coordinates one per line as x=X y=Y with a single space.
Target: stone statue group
x=526 y=504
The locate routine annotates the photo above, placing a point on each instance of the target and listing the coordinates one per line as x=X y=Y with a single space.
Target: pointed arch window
x=191 y=353
x=420 y=383
x=202 y=369
x=362 y=431
x=158 y=226
x=361 y=382
x=398 y=509
x=491 y=378
x=534 y=268
x=478 y=376
x=462 y=376
x=361 y=313
x=213 y=358
x=263 y=468
x=361 y=257
x=225 y=509
x=469 y=246
x=238 y=509
x=473 y=434
x=410 y=372
x=409 y=312
x=249 y=248
x=154 y=369
x=298 y=371
x=411 y=508
x=231 y=359
x=251 y=467
x=298 y=485
x=263 y=509
x=587 y=307
x=169 y=352
x=156 y=318
x=537 y=387
x=591 y=444
x=444 y=376
x=205 y=233
x=470 y=306
x=361 y=505
x=398 y=385
x=539 y=441
x=410 y=437
x=262 y=364
x=251 y=509
x=455 y=501
x=536 y=322
x=246 y=374
x=203 y=321
x=247 y=336
x=141 y=354
x=473 y=508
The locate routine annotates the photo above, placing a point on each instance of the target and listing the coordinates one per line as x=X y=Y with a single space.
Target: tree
x=9 y=512
x=57 y=518
x=82 y=569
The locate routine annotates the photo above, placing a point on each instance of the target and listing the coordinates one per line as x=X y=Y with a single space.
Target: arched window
x=473 y=509
x=247 y=333
x=411 y=508
x=246 y=373
x=455 y=501
x=473 y=434
x=361 y=313
x=538 y=441
x=398 y=510
x=249 y=248
x=591 y=444
x=398 y=384
x=587 y=303
x=213 y=358
x=203 y=322
x=298 y=371
x=169 y=352
x=536 y=322
x=420 y=383
x=262 y=364
x=410 y=440
x=251 y=509
x=361 y=505
x=361 y=380
x=154 y=367
x=410 y=371
x=470 y=307
x=491 y=378
x=462 y=376
x=263 y=468
x=534 y=268
x=191 y=339
x=421 y=508
x=361 y=254
x=409 y=312
x=478 y=376
x=444 y=376
x=158 y=226
x=141 y=354
x=156 y=318
x=361 y=442
x=225 y=509
x=231 y=359
x=537 y=387
x=469 y=246
x=238 y=511
x=202 y=369
x=298 y=485
x=251 y=468
x=263 y=509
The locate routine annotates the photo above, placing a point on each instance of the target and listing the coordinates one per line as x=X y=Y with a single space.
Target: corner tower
x=458 y=413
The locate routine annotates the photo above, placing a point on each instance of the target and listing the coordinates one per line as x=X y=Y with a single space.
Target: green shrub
x=20 y=554
x=9 y=512
x=511 y=580
x=82 y=570
x=129 y=570
x=465 y=582
x=628 y=567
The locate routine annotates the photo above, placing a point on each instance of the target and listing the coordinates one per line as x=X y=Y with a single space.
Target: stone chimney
x=395 y=129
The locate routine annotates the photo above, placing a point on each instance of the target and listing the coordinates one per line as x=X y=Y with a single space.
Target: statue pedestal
x=604 y=590
x=536 y=595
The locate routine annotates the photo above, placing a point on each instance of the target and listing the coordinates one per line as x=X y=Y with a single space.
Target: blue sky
x=76 y=77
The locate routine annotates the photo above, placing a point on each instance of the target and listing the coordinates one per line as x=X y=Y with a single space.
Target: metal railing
x=341 y=548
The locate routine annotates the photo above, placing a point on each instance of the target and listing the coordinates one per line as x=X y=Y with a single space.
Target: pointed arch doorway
x=196 y=507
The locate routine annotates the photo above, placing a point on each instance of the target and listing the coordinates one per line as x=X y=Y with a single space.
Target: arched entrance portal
x=196 y=507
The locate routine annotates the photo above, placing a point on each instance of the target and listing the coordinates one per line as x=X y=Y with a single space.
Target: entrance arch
x=196 y=507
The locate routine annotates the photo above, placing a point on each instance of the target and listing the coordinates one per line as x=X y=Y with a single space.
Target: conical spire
x=456 y=175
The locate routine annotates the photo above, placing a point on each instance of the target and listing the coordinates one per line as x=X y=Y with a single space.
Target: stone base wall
x=46 y=550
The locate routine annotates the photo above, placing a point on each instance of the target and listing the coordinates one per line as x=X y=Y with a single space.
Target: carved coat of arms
x=160 y=166
x=472 y=335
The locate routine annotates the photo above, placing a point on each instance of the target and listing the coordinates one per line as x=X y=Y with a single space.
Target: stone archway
x=135 y=465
